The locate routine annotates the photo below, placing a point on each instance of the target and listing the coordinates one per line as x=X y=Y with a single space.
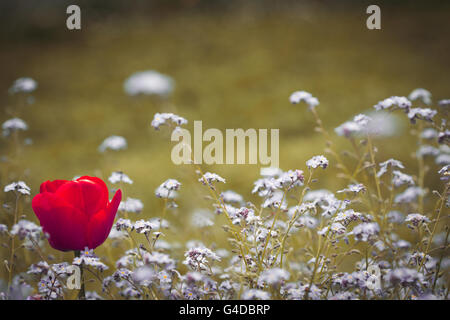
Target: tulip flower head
x=76 y=214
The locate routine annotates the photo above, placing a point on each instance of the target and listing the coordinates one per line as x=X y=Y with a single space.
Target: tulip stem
x=82 y=293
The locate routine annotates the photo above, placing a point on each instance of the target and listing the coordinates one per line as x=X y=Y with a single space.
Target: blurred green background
x=234 y=63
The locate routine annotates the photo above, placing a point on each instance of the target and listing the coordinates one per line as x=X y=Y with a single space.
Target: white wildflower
x=18 y=186
x=416 y=219
x=426 y=114
x=420 y=94
x=299 y=96
x=148 y=83
x=209 y=178
x=231 y=196
x=25 y=85
x=160 y=119
x=394 y=101
x=118 y=176
x=113 y=143
x=131 y=205
x=317 y=161
x=202 y=218
x=392 y=163
x=12 y=125
x=255 y=294
x=399 y=178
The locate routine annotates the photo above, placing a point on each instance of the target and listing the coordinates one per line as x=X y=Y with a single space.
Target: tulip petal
x=65 y=224
x=52 y=186
x=101 y=223
x=95 y=194
x=72 y=194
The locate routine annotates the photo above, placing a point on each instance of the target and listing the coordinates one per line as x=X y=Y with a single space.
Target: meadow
x=238 y=69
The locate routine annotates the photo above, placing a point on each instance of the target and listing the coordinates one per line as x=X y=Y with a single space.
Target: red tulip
x=76 y=214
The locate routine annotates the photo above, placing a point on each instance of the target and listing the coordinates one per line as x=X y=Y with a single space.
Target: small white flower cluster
x=268 y=187
x=299 y=96
x=26 y=229
x=444 y=103
x=231 y=197
x=409 y=195
x=162 y=118
x=12 y=125
x=358 y=126
x=394 y=101
x=354 y=188
x=404 y=104
x=366 y=231
x=24 y=85
x=167 y=190
x=131 y=205
x=19 y=186
x=202 y=218
x=145 y=227
x=317 y=161
x=148 y=83
x=88 y=258
x=118 y=177
x=421 y=94
x=113 y=143
x=200 y=258
x=399 y=178
x=140 y=226
x=391 y=163
x=416 y=219
x=273 y=277
x=210 y=178
x=426 y=114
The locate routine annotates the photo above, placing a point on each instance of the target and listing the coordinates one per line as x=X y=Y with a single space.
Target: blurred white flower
x=270 y=172
x=12 y=125
x=131 y=205
x=383 y=124
x=365 y=231
x=148 y=83
x=231 y=196
x=429 y=134
x=359 y=125
x=416 y=219
x=399 y=178
x=273 y=277
x=444 y=103
x=354 y=188
x=116 y=234
x=25 y=85
x=255 y=294
x=202 y=218
x=113 y=143
x=26 y=229
x=392 y=163
x=409 y=195
x=119 y=176
x=420 y=94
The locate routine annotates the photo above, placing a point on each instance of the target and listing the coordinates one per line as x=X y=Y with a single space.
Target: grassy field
x=232 y=70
